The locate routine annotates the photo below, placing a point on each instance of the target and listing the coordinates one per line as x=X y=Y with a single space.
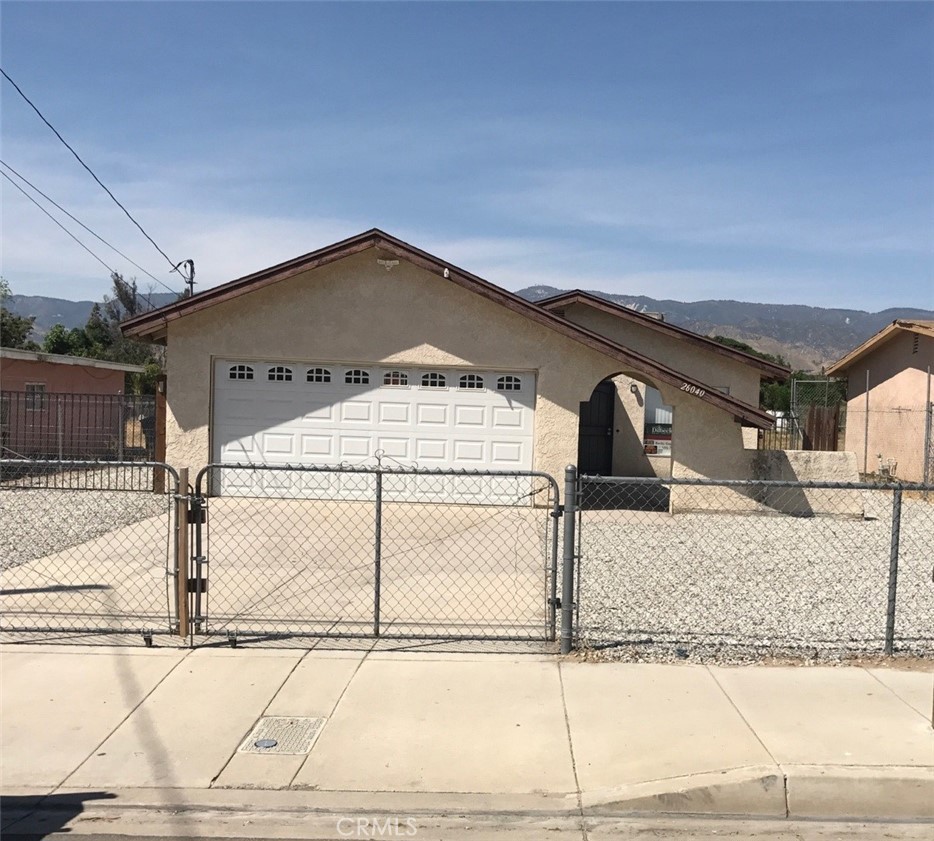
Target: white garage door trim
x=326 y=413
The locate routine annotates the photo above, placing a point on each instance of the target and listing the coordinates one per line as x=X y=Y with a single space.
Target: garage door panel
x=394 y=413
x=320 y=414
x=431 y=414
x=472 y=453
x=398 y=448
x=470 y=416
x=508 y=417
x=318 y=447
x=356 y=411
x=355 y=446
x=507 y=455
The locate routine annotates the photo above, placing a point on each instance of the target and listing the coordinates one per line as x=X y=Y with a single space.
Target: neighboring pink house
x=54 y=405
x=896 y=411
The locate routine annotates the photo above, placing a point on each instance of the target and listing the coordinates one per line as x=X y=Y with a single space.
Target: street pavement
x=98 y=739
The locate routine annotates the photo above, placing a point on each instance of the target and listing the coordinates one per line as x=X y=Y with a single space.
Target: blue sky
x=775 y=152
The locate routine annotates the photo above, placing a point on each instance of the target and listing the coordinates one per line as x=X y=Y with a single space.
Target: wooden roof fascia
x=878 y=339
x=578 y=296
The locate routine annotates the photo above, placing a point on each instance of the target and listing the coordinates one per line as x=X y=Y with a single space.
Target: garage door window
x=318 y=375
x=470 y=381
x=508 y=384
x=357 y=377
x=395 y=378
x=240 y=372
x=280 y=374
x=433 y=380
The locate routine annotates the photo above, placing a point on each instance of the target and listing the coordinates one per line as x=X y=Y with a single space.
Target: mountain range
x=808 y=338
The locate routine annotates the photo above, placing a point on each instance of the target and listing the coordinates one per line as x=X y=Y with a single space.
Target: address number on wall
x=693 y=389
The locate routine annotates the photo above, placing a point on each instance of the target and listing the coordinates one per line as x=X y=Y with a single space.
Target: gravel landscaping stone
x=37 y=523
x=733 y=588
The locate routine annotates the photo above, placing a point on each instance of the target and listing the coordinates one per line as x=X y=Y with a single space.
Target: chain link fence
x=737 y=570
x=86 y=548
x=293 y=551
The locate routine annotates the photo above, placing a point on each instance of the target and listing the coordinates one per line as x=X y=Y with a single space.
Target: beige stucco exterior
x=705 y=441
x=355 y=310
x=898 y=383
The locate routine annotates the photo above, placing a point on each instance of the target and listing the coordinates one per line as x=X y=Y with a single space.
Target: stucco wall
x=58 y=378
x=354 y=310
x=711 y=368
x=897 y=394
x=629 y=457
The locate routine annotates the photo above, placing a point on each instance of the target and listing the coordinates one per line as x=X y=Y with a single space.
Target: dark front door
x=595 y=441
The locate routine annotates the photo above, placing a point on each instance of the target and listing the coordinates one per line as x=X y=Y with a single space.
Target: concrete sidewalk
x=428 y=733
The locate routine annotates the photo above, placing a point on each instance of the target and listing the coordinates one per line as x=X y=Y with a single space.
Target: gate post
x=567 y=566
x=377 y=551
x=181 y=553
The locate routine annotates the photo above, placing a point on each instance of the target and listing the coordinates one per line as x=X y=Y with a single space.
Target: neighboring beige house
x=897 y=364
x=371 y=347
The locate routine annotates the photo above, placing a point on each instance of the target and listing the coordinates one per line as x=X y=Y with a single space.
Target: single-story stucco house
x=889 y=397
x=372 y=346
x=52 y=404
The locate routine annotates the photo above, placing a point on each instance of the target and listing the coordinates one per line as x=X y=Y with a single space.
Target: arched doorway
x=595 y=435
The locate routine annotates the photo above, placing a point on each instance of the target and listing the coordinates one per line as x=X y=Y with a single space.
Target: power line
x=78 y=157
x=24 y=179
x=60 y=225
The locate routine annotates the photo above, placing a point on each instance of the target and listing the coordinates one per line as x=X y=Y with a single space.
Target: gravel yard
x=733 y=587
x=36 y=523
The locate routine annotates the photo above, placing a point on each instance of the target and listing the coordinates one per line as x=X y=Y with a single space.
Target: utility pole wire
x=79 y=222
x=60 y=225
x=78 y=157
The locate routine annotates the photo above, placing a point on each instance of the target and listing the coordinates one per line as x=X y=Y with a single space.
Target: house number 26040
x=693 y=389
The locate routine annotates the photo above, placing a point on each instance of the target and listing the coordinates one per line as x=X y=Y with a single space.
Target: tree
x=101 y=337
x=14 y=329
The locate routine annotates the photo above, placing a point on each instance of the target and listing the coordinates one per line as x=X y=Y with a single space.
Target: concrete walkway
x=416 y=733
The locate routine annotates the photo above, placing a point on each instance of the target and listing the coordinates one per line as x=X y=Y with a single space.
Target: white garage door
x=348 y=414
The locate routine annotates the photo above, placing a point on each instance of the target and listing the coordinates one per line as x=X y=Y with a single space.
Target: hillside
x=807 y=337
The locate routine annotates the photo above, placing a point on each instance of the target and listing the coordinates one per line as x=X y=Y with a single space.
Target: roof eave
x=771 y=370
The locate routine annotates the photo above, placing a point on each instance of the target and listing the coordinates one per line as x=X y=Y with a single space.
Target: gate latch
x=197 y=514
x=555 y=602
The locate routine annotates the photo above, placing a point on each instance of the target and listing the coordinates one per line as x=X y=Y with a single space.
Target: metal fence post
x=377 y=551
x=567 y=571
x=181 y=553
x=61 y=429
x=121 y=430
x=893 y=570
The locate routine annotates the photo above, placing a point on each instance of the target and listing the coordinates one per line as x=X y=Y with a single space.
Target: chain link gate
x=88 y=548
x=289 y=551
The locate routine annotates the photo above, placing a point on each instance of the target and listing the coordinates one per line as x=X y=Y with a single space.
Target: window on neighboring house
x=508 y=383
x=279 y=374
x=395 y=378
x=35 y=397
x=357 y=376
x=318 y=375
x=470 y=381
x=240 y=372
x=433 y=380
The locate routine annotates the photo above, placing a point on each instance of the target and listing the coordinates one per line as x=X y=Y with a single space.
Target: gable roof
x=153 y=325
x=924 y=328
x=576 y=296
